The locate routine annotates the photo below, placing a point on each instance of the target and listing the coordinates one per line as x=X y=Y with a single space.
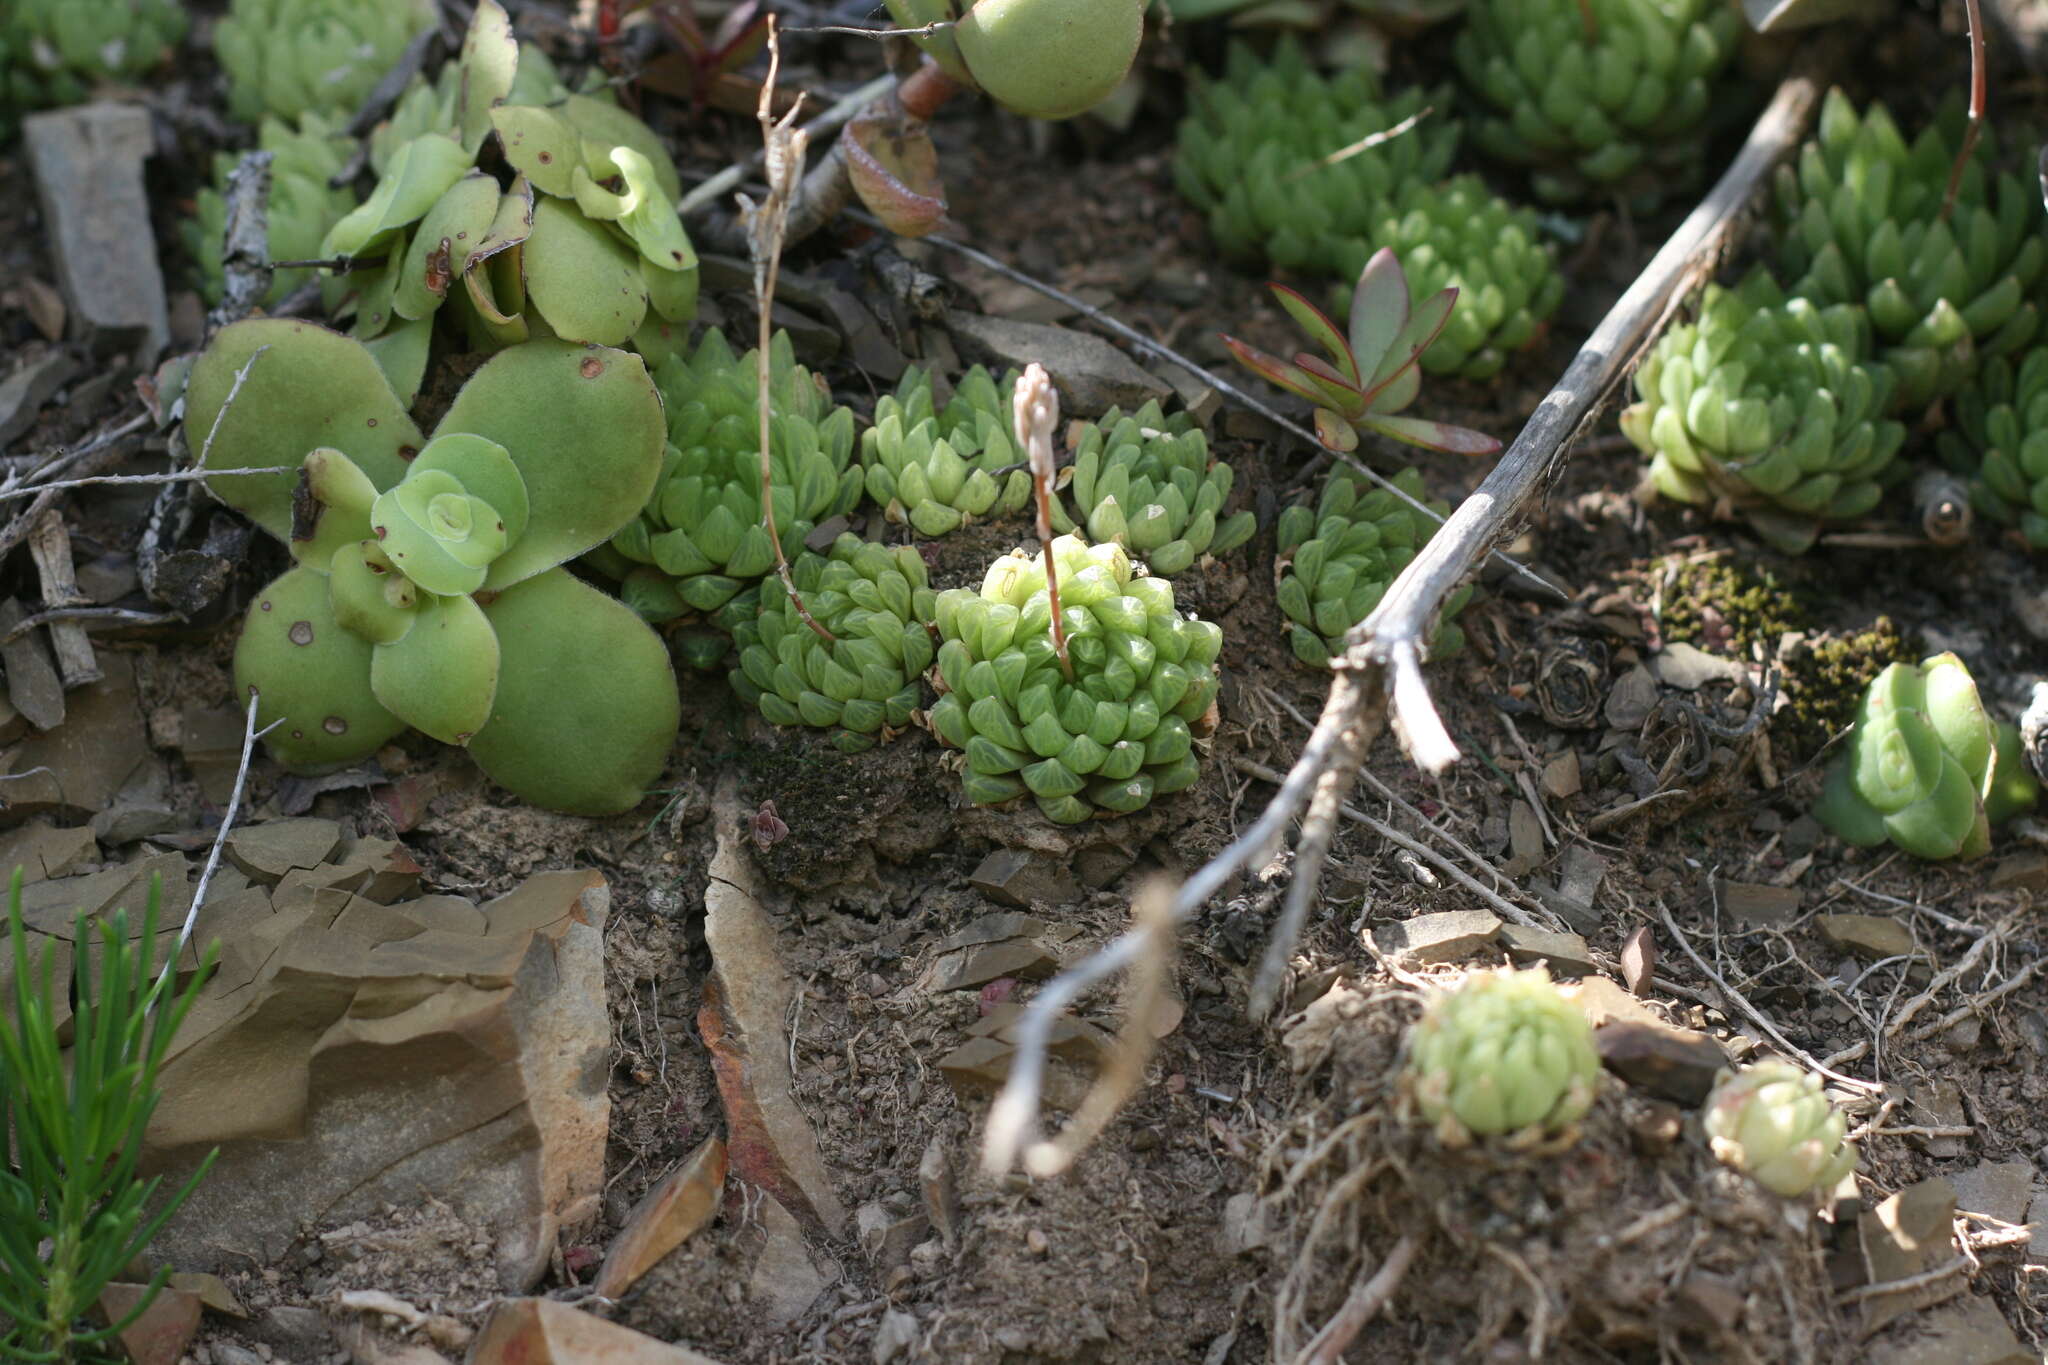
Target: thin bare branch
x=1366 y=1298
x=726 y=181
x=250 y=734
x=179 y=476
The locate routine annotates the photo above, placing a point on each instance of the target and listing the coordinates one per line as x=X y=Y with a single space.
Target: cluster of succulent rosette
x=55 y=52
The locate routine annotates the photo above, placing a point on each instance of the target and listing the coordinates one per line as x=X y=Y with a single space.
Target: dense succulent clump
x=1926 y=767
x=1047 y=59
x=938 y=469
x=2002 y=444
x=1250 y=146
x=1460 y=235
x=427 y=590
x=1504 y=1055
x=1866 y=219
x=1597 y=96
x=862 y=684
x=1147 y=482
x=53 y=52
x=289 y=58
x=1770 y=406
x=1105 y=733
x=699 y=541
x=583 y=245
x=1772 y=1122
x=303 y=203
x=1336 y=560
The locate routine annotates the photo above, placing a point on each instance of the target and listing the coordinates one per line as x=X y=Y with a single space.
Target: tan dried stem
x=784 y=145
x=1035 y=411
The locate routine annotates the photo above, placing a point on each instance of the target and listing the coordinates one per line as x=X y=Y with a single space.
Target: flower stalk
x=1036 y=410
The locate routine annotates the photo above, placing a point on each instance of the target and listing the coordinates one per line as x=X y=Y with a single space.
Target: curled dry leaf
x=895 y=170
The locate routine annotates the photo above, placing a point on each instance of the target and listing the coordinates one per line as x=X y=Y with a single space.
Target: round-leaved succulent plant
x=289 y=58
x=1147 y=482
x=940 y=469
x=1770 y=406
x=1597 y=96
x=428 y=591
x=1104 y=731
x=1772 y=1122
x=1337 y=559
x=53 y=52
x=1504 y=1055
x=303 y=203
x=1867 y=219
x=1047 y=59
x=863 y=683
x=2002 y=443
x=700 y=542
x=1926 y=767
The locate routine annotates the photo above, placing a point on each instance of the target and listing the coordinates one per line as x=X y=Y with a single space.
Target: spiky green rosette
x=1926 y=767
x=287 y=58
x=1771 y=404
x=1503 y=1055
x=939 y=470
x=1249 y=146
x=302 y=205
x=1146 y=481
x=53 y=52
x=700 y=539
x=1597 y=96
x=1863 y=221
x=1772 y=1122
x=1460 y=234
x=1337 y=559
x=583 y=244
x=862 y=684
x=2002 y=444
x=1107 y=740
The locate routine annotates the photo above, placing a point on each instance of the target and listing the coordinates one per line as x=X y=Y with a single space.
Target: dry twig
x=1366 y=1298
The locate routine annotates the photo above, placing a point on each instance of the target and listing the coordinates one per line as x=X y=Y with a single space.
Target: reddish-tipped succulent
x=1374 y=371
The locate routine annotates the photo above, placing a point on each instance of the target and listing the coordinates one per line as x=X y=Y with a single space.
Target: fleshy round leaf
x=439 y=677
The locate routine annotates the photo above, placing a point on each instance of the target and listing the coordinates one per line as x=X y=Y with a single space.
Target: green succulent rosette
x=1926 y=767
x=863 y=684
x=52 y=52
x=2001 y=443
x=1459 y=234
x=1147 y=482
x=938 y=470
x=1772 y=1122
x=289 y=58
x=1107 y=739
x=427 y=591
x=1248 y=150
x=1504 y=1055
x=583 y=244
x=699 y=542
x=1337 y=559
x=1598 y=96
x=1865 y=219
x=1773 y=406
x=302 y=206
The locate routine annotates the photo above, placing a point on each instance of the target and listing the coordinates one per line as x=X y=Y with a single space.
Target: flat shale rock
x=1870 y=937
x=88 y=169
x=1448 y=936
x=1020 y=877
x=543 y=1332
x=1673 y=1063
x=1091 y=375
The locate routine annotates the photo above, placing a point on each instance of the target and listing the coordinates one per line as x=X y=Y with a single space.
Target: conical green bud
x=1771 y=1122
x=1503 y=1055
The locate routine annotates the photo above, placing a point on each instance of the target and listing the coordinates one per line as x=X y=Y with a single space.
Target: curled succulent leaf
x=1865 y=218
x=1248 y=152
x=702 y=528
x=1337 y=559
x=1926 y=766
x=301 y=209
x=1598 y=95
x=939 y=470
x=863 y=684
x=1146 y=482
x=1109 y=739
x=2001 y=443
x=1373 y=371
x=53 y=52
x=1503 y=1055
x=1771 y=406
x=460 y=504
x=287 y=58
x=1772 y=1122
x=1460 y=235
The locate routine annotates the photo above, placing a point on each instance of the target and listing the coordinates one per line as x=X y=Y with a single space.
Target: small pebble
x=1035 y=1243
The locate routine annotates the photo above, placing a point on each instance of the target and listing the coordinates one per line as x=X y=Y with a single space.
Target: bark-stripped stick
x=1382 y=662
